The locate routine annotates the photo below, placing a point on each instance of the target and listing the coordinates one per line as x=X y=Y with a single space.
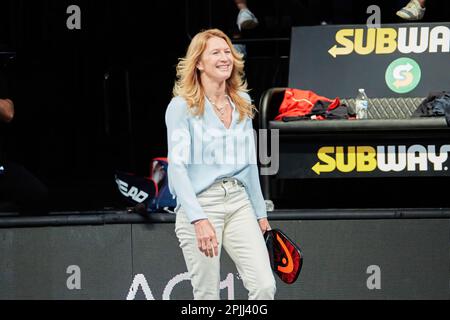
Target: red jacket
x=298 y=102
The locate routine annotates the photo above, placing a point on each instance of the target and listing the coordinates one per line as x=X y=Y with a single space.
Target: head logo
x=286 y=258
x=403 y=75
x=289 y=263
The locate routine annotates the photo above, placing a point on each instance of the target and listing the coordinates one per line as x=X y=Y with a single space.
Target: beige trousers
x=229 y=209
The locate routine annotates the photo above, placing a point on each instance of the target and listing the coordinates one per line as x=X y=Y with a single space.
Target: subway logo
x=364 y=41
x=391 y=158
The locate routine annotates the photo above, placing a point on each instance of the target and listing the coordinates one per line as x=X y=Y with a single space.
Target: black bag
x=437 y=104
x=147 y=194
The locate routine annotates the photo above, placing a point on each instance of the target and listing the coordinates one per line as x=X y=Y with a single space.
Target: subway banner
x=370 y=159
x=395 y=60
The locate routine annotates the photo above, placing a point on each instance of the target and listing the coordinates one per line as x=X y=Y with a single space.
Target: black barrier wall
x=344 y=259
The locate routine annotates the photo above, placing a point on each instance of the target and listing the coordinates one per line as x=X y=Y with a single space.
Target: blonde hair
x=188 y=84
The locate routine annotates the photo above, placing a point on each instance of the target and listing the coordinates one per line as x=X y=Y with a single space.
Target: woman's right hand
x=206 y=238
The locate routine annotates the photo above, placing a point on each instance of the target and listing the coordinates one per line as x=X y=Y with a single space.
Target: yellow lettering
x=366 y=159
x=340 y=159
x=370 y=41
x=386 y=41
x=347 y=44
x=329 y=162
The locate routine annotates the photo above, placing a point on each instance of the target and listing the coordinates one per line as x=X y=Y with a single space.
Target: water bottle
x=361 y=104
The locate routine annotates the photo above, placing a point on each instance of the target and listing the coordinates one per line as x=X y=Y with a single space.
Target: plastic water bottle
x=361 y=104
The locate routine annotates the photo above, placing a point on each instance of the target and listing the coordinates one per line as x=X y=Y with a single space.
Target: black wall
x=343 y=259
x=73 y=128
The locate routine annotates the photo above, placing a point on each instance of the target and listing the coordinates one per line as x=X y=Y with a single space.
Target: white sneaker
x=246 y=20
x=412 y=12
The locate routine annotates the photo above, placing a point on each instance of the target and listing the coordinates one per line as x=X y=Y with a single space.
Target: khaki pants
x=230 y=211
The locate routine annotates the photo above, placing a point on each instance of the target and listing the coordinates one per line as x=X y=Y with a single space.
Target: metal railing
x=78 y=218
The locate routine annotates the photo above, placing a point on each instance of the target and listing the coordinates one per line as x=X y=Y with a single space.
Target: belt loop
x=224 y=181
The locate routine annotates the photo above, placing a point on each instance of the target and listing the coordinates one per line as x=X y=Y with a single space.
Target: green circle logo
x=403 y=75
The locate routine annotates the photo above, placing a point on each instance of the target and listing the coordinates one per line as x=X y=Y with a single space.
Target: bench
x=389 y=123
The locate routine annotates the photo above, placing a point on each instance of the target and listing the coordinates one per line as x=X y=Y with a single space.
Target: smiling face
x=216 y=62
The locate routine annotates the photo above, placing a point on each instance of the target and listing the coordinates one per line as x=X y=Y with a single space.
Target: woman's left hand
x=264 y=225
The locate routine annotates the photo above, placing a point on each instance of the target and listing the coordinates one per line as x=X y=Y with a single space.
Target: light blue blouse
x=202 y=150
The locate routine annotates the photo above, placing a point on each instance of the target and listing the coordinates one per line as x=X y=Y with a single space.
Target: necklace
x=220 y=109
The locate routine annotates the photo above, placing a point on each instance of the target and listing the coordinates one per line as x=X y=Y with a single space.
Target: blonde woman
x=213 y=171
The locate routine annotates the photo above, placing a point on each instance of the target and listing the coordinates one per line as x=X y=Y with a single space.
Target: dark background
x=91 y=101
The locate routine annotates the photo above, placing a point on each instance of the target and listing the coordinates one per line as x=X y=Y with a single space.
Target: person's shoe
x=412 y=11
x=246 y=20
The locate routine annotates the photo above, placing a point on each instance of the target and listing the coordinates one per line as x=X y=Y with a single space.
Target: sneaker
x=246 y=20
x=412 y=12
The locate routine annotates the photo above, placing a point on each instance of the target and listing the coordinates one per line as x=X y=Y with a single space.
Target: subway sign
x=381 y=160
x=394 y=60
x=404 y=40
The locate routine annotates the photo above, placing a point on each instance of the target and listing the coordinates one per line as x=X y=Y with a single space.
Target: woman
x=213 y=171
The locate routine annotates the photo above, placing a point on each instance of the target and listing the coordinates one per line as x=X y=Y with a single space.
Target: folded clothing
x=307 y=105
